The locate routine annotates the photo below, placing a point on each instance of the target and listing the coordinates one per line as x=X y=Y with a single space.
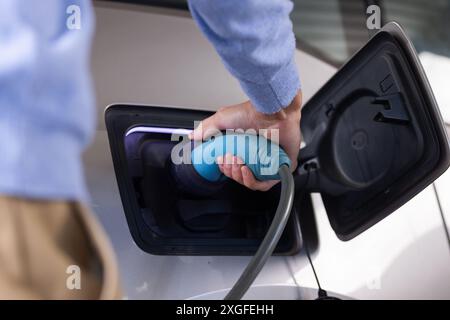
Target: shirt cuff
x=278 y=93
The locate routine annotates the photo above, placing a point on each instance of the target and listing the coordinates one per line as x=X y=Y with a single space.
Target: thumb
x=208 y=127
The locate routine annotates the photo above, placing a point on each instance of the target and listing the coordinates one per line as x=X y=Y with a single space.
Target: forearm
x=256 y=42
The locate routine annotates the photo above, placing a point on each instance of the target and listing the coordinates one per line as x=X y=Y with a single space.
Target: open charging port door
x=374 y=135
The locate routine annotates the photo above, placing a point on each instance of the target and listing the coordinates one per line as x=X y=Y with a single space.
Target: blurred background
x=333 y=30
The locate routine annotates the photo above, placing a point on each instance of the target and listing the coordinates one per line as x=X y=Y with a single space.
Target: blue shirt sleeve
x=46 y=97
x=255 y=40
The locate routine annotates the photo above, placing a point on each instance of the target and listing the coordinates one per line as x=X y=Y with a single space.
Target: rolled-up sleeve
x=255 y=40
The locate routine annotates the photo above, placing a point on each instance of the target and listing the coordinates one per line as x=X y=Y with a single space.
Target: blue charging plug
x=262 y=156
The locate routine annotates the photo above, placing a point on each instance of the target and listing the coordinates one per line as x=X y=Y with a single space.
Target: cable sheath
x=271 y=239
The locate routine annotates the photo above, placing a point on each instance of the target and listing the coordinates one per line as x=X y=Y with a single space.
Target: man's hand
x=244 y=116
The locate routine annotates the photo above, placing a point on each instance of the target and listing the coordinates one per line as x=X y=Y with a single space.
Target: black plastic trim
x=119 y=120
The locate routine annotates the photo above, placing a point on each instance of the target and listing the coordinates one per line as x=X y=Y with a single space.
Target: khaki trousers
x=54 y=250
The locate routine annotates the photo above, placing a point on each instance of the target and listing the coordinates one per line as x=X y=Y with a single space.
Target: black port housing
x=164 y=220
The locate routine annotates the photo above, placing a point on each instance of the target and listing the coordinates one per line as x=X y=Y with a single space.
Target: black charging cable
x=322 y=294
x=271 y=238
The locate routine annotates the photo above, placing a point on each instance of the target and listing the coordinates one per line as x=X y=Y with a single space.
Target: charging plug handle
x=262 y=156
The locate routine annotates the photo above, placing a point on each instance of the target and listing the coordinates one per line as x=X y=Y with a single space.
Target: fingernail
x=228 y=159
x=219 y=160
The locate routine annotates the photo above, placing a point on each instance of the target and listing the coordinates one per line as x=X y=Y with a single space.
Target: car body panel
x=442 y=186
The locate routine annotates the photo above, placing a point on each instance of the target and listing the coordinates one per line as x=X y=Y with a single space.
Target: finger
x=239 y=161
x=221 y=168
x=236 y=172
x=227 y=165
x=206 y=128
x=250 y=182
x=219 y=160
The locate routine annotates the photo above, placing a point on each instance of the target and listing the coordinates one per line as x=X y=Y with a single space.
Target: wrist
x=295 y=106
x=292 y=111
